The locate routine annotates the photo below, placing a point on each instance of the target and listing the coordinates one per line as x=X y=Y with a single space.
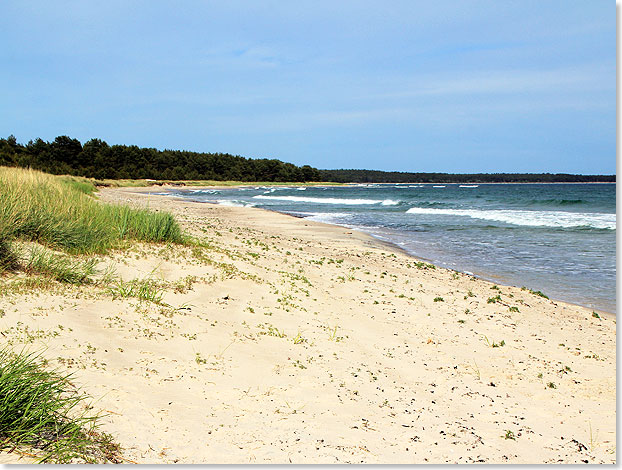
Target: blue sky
x=460 y=86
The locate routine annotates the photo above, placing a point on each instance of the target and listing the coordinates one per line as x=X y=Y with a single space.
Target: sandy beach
x=284 y=340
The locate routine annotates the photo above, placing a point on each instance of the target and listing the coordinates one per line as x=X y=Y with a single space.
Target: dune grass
x=58 y=267
x=41 y=410
x=8 y=259
x=79 y=183
x=60 y=212
x=50 y=225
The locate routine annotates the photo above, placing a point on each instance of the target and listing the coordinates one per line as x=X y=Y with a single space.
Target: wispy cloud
x=582 y=79
x=245 y=56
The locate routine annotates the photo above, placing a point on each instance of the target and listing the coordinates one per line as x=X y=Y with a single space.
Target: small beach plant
x=493 y=344
x=141 y=289
x=299 y=339
x=509 y=435
x=535 y=292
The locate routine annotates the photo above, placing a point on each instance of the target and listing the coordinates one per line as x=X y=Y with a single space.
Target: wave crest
x=330 y=200
x=557 y=202
x=530 y=218
x=234 y=203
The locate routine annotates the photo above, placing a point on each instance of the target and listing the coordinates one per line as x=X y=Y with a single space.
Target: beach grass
x=41 y=410
x=8 y=259
x=60 y=213
x=51 y=226
x=60 y=267
x=80 y=184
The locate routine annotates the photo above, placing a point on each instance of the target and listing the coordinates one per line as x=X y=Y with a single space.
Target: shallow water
x=556 y=238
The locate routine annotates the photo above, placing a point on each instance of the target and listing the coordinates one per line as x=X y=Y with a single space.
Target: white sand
x=370 y=368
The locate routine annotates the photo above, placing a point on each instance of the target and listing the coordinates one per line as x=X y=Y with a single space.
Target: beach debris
x=580 y=447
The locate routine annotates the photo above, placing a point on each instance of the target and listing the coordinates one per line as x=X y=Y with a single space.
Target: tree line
x=375 y=176
x=97 y=159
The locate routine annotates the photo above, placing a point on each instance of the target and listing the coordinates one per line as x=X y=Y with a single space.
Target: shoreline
x=485 y=277
x=283 y=340
x=398 y=249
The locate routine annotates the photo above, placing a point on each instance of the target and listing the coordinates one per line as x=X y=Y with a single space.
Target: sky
x=416 y=85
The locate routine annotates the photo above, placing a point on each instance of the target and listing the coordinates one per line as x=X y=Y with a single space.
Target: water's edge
x=488 y=277
x=478 y=275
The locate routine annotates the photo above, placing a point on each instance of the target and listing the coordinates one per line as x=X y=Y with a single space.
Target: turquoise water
x=556 y=238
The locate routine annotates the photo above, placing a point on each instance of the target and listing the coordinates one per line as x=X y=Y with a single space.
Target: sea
x=559 y=239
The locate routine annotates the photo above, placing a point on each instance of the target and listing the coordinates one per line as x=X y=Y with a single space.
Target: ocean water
x=556 y=238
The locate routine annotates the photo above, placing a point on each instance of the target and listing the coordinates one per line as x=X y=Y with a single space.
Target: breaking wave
x=235 y=203
x=330 y=200
x=530 y=218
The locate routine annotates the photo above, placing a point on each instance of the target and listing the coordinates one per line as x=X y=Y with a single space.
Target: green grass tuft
x=535 y=292
x=141 y=289
x=60 y=268
x=42 y=410
x=60 y=213
x=80 y=184
x=52 y=210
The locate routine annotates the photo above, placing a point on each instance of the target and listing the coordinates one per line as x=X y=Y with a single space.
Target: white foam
x=330 y=200
x=469 y=186
x=334 y=218
x=529 y=218
x=326 y=217
x=205 y=191
x=234 y=203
